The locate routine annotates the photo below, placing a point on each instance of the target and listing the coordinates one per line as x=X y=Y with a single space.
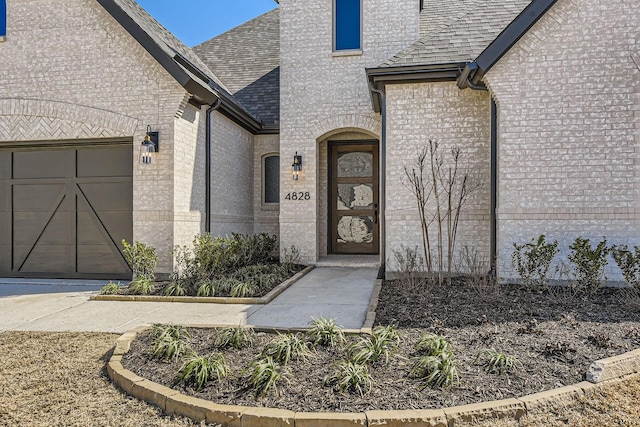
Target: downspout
x=383 y=177
x=464 y=81
x=493 y=230
x=207 y=166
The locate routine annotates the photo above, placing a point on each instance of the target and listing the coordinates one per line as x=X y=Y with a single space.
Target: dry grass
x=59 y=379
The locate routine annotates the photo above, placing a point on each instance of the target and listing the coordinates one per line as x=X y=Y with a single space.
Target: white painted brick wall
x=321 y=93
x=68 y=70
x=265 y=215
x=232 y=174
x=568 y=96
x=441 y=112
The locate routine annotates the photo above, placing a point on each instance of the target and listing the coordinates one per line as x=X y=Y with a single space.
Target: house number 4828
x=300 y=195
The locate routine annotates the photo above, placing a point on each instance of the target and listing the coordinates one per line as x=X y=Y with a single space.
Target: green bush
x=236 y=337
x=588 y=263
x=110 y=288
x=433 y=345
x=290 y=259
x=629 y=263
x=325 y=332
x=141 y=258
x=286 y=347
x=198 y=370
x=141 y=286
x=350 y=376
x=263 y=376
x=497 y=362
x=171 y=342
x=435 y=371
x=383 y=342
x=532 y=261
x=176 y=289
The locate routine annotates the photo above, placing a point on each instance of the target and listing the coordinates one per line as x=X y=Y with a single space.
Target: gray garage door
x=65 y=210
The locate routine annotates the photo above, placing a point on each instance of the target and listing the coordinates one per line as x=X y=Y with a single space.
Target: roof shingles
x=247 y=60
x=457 y=30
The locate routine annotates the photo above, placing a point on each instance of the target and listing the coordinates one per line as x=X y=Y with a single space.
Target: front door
x=353 y=208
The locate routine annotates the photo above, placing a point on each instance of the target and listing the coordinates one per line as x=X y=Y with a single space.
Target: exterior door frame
x=334 y=148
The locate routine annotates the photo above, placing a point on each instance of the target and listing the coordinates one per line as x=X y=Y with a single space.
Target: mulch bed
x=554 y=335
x=159 y=287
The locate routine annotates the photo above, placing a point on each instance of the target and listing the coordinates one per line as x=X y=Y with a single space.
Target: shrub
x=110 y=288
x=141 y=286
x=177 y=289
x=171 y=342
x=325 y=332
x=290 y=259
x=629 y=263
x=286 y=347
x=532 y=261
x=410 y=264
x=206 y=288
x=383 y=342
x=558 y=349
x=497 y=362
x=200 y=369
x=435 y=371
x=141 y=258
x=588 y=263
x=241 y=289
x=263 y=375
x=350 y=376
x=236 y=337
x=433 y=345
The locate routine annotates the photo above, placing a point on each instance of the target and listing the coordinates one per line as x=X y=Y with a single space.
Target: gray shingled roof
x=457 y=30
x=164 y=38
x=247 y=59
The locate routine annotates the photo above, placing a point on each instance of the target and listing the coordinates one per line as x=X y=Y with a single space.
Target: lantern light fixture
x=296 y=166
x=149 y=145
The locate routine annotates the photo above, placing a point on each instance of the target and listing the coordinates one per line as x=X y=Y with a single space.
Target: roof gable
x=247 y=60
x=179 y=60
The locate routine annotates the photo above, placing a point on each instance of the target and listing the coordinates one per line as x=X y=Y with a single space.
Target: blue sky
x=194 y=21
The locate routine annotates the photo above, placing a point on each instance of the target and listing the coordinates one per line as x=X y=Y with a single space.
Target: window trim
x=348 y=51
x=263 y=180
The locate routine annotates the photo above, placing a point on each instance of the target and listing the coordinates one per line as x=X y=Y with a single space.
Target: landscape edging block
x=268 y=417
x=226 y=415
x=614 y=367
x=506 y=408
x=330 y=419
x=186 y=406
x=409 y=417
x=557 y=396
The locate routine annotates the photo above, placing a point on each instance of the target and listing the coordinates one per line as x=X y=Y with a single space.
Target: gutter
x=383 y=177
x=379 y=77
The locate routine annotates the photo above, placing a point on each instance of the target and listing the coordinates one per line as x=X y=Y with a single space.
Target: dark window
x=272 y=179
x=3 y=19
x=347 y=24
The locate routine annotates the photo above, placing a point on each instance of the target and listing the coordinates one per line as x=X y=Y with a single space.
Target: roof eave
x=380 y=77
x=510 y=36
x=204 y=92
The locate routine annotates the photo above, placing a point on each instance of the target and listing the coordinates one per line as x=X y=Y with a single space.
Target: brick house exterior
x=543 y=96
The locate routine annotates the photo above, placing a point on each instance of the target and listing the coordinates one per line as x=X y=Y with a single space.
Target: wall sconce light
x=149 y=146
x=296 y=166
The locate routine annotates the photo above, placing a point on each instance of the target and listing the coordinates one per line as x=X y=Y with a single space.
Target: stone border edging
x=171 y=401
x=367 y=327
x=210 y=300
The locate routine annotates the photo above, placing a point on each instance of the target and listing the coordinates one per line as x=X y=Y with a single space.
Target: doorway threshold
x=360 y=261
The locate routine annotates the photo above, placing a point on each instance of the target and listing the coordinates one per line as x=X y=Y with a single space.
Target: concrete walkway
x=340 y=293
